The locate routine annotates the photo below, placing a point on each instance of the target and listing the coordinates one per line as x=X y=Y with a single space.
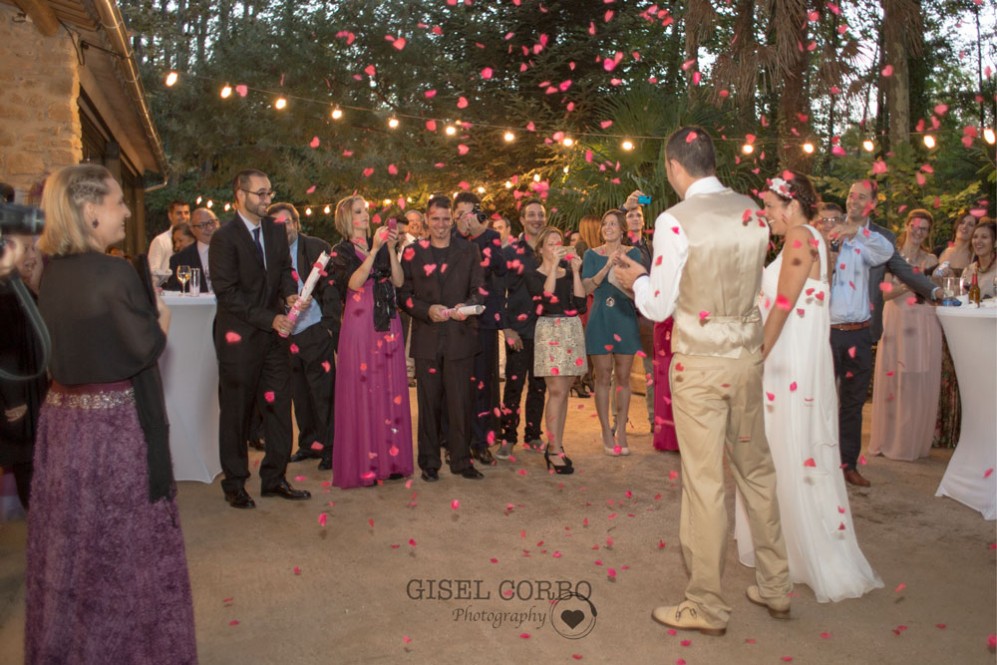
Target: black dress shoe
x=284 y=490
x=325 y=465
x=470 y=473
x=303 y=454
x=483 y=455
x=240 y=499
x=430 y=475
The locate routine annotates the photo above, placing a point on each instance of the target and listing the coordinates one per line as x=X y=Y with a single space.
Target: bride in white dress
x=801 y=406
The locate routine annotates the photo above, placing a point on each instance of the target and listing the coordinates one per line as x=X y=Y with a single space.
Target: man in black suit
x=202 y=224
x=471 y=224
x=857 y=327
x=441 y=274
x=250 y=267
x=313 y=344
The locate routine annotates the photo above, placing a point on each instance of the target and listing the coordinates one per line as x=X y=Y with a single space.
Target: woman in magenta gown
x=373 y=421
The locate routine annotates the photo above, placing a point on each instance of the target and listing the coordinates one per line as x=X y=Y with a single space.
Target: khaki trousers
x=717 y=405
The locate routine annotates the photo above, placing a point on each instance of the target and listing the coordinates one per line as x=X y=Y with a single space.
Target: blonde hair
x=66 y=192
x=344 y=215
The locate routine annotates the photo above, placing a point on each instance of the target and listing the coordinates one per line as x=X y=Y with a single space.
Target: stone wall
x=39 y=118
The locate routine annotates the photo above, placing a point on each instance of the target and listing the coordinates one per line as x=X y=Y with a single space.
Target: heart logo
x=572 y=617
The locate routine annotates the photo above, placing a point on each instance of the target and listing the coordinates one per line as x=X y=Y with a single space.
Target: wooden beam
x=41 y=15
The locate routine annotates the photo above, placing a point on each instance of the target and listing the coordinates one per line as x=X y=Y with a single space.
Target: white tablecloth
x=971 y=476
x=190 y=380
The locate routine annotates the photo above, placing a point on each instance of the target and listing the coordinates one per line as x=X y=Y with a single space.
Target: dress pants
x=485 y=388
x=717 y=406
x=853 y=370
x=443 y=390
x=519 y=366
x=313 y=379
x=249 y=373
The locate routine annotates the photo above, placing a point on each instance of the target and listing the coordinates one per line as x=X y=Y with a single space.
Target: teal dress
x=612 y=325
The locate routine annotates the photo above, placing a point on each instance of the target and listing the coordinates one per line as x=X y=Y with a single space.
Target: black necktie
x=259 y=245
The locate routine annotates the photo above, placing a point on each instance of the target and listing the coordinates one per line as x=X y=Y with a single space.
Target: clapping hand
x=627 y=271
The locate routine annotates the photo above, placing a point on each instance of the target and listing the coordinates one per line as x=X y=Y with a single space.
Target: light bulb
x=868 y=145
x=627 y=145
x=747 y=148
x=929 y=141
x=226 y=91
x=337 y=113
x=808 y=148
x=393 y=123
x=509 y=137
x=280 y=104
x=171 y=79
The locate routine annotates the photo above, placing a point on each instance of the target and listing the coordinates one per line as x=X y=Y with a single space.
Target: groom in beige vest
x=709 y=251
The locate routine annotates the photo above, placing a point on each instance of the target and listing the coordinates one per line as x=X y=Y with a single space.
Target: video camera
x=15 y=218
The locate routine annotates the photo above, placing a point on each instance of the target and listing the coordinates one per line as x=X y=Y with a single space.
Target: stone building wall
x=39 y=119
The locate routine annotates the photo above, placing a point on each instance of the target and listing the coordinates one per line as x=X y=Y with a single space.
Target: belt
x=848 y=327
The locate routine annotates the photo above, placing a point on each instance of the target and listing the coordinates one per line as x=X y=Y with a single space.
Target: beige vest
x=717 y=310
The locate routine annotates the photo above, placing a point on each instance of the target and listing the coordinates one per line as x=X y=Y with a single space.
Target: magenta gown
x=373 y=420
x=664 y=424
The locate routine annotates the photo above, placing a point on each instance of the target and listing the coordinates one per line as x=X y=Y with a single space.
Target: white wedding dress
x=801 y=424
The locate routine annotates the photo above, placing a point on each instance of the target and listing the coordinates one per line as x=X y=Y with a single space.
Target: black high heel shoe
x=562 y=469
x=579 y=390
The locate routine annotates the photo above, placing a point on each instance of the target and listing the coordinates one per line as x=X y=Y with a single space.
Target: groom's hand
x=627 y=271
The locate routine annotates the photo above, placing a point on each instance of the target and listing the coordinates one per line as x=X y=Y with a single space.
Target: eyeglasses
x=830 y=220
x=205 y=225
x=262 y=194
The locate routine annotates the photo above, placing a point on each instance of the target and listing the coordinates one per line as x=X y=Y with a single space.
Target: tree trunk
x=790 y=20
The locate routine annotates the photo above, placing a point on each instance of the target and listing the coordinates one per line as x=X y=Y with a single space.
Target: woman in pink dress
x=665 y=438
x=373 y=421
x=908 y=359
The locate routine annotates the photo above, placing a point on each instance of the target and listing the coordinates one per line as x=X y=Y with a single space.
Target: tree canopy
x=587 y=91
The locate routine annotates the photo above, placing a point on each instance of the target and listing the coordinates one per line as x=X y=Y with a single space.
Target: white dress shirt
x=160 y=251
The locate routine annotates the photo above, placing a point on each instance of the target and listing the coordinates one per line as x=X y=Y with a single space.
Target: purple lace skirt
x=106 y=572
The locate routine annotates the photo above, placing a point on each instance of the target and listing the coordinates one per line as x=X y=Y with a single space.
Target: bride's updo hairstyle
x=794 y=186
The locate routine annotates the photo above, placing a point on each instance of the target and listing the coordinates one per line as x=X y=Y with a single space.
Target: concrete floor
x=274 y=586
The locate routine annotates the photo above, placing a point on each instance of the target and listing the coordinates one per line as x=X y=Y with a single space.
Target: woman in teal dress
x=612 y=336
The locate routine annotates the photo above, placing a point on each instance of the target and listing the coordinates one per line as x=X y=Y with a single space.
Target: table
x=190 y=380
x=971 y=476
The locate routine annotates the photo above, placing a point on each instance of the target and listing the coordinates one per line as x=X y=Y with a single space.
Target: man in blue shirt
x=313 y=345
x=862 y=252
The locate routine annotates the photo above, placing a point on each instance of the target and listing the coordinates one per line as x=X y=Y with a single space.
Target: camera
x=480 y=216
x=15 y=218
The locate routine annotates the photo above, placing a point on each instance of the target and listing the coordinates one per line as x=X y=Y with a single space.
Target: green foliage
x=547 y=76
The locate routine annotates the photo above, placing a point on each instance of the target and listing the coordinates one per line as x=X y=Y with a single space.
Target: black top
x=103 y=327
x=562 y=302
x=494 y=266
x=344 y=262
x=520 y=314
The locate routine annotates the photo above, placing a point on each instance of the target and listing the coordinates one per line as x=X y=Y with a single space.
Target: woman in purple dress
x=107 y=575
x=373 y=421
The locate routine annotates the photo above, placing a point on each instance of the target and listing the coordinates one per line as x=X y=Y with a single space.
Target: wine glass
x=183 y=276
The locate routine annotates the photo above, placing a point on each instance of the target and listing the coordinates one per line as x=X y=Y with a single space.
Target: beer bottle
x=974 y=289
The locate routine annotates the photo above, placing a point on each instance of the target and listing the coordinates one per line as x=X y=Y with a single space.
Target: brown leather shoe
x=853 y=477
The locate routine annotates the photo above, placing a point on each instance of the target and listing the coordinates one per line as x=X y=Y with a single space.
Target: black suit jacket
x=461 y=282
x=188 y=256
x=309 y=248
x=249 y=295
x=903 y=271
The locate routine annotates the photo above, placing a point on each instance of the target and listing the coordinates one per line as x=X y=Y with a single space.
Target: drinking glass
x=183 y=276
x=950 y=287
x=195 y=282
